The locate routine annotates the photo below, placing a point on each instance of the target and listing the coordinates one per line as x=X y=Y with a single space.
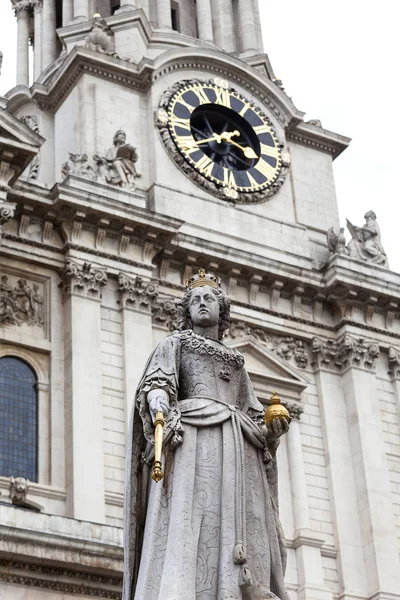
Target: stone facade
x=90 y=271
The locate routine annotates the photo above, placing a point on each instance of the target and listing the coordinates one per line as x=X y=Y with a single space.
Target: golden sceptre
x=159 y=422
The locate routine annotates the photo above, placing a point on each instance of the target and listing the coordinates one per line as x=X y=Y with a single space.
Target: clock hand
x=247 y=151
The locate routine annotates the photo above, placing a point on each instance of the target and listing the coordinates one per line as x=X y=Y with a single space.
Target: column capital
x=82 y=280
x=137 y=294
x=25 y=5
x=348 y=351
x=7 y=210
x=295 y=410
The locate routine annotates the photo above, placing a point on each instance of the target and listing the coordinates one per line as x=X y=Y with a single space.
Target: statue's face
x=204 y=307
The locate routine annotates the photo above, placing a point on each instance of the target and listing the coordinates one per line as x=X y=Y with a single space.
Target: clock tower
x=146 y=139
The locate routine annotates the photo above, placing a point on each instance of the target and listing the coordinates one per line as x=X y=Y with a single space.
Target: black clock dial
x=224 y=137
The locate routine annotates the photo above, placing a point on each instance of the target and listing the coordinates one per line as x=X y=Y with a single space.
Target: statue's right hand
x=158 y=402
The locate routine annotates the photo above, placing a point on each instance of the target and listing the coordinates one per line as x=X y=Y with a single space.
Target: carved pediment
x=268 y=371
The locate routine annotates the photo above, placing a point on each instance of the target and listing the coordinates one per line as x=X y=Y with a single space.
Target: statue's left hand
x=277 y=427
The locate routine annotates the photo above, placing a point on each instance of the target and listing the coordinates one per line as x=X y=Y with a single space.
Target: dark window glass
x=175 y=18
x=18 y=419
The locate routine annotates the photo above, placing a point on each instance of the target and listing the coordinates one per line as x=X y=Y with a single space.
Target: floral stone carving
x=286 y=347
x=83 y=280
x=137 y=293
x=20 y=303
x=348 y=351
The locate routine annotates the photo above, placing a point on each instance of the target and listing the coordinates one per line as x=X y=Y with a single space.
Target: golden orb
x=275 y=410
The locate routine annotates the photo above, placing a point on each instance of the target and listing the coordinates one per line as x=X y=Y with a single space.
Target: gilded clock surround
x=201 y=171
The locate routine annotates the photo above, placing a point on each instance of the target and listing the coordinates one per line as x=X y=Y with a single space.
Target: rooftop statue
x=209 y=529
x=119 y=163
x=365 y=244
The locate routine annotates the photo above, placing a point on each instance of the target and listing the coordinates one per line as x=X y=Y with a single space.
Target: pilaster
x=359 y=474
x=342 y=486
x=136 y=298
x=306 y=542
x=81 y=286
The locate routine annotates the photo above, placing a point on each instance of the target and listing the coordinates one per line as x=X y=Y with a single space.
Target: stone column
x=81 y=10
x=136 y=298
x=204 y=20
x=37 y=43
x=164 y=19
x=21 y=11
x=67 y=12
x=49 y=36
x=225 y=35
x=247 y=26
x=81 y=286
x=306 y=542
x=126 y=5
x=341 y=477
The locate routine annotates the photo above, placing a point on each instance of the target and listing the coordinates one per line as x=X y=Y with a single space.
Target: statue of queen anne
x=209 y=530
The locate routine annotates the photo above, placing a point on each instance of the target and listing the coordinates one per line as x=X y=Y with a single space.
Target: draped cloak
x=210 y=529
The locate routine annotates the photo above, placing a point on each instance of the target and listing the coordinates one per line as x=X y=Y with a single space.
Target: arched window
x=18 y=419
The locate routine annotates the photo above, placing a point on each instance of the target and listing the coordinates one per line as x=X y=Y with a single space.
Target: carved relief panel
x=24 y=304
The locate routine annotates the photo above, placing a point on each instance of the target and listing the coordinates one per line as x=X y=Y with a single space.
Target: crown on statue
x=203 y=278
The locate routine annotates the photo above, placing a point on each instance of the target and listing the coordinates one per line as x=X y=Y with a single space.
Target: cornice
x=30 y=573
x=318 y=138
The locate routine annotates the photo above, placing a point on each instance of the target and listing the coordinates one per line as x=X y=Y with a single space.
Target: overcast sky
x=339 y=61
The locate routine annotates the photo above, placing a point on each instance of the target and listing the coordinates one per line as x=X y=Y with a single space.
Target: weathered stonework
x=348 y=351
x=285 y=347
x=20 y=302
x=82 y=280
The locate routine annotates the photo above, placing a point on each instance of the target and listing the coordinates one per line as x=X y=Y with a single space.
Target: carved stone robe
x=210 y=529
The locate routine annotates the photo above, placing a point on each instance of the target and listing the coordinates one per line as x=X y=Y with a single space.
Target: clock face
x=224 y=137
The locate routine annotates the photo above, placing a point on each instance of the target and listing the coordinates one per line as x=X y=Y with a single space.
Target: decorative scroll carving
x=6 y=174
x=225 y=193
x=83 y=280
x=365 y=243
x=19 y=487
x=7 y=210
x=32 y=122
x=21 y=303
x=165 y=313
x=349 y=350
x=286 y=347
x=137 y=293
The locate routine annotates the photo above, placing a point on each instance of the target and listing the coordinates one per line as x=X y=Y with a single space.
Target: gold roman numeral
x=205 y=164
x=179 y=122
x=187 y=143
x=223 y=97
x=244 y=110
x=229 y=178
x=185 y=104
x=262 y=129
x=253 y=182
x=265 y=169
x=202 y=96
x=271 y=151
